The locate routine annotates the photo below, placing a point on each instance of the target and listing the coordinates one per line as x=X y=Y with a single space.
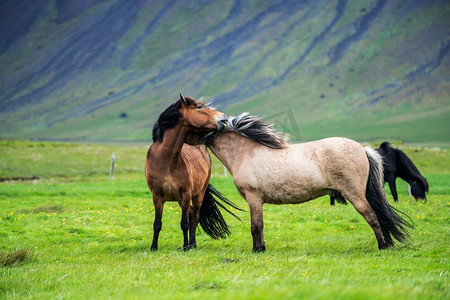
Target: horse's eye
x=199 y=106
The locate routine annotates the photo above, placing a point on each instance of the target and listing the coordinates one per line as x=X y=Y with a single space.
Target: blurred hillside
x=104 y=70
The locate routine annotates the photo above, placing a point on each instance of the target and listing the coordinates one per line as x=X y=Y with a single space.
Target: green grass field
x=71 y=233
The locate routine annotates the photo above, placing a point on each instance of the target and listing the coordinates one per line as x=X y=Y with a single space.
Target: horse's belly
x=293 y=193
x=294 y=198
x=292 y=184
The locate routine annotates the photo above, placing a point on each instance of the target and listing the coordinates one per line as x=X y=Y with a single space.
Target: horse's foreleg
x=392 y=187
x=257 y=222
x=157 y=224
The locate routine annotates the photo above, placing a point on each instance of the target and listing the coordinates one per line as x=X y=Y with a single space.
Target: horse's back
x=343 y=158
x=335 y=150
x=336 y=158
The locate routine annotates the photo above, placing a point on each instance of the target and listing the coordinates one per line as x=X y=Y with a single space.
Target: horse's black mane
x=244 y=124
x=166 y=120
x=256 y=129
x=170 y=117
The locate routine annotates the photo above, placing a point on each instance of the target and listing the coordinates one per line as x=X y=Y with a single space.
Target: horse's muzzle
x=222 y=120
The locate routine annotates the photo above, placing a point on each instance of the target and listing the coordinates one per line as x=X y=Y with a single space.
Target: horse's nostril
x=222 y=121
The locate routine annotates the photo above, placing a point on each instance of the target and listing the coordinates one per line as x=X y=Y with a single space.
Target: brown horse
x=179 y=172
x=266 y=169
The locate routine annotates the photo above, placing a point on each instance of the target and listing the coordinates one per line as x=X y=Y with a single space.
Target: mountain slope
x=364 y=69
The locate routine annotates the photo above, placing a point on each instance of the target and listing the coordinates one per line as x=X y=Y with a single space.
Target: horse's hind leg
x=193 y=223
x=363 y=207
x=185 y=212
x=157 y=224
x=194 y=217
x=332 y=199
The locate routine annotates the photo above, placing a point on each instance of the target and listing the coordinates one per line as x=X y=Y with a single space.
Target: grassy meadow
x=67 y=231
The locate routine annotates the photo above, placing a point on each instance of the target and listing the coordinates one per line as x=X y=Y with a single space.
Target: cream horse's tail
x=392 y=225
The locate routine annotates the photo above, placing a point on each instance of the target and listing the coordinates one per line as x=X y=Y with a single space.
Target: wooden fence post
x=111 y=168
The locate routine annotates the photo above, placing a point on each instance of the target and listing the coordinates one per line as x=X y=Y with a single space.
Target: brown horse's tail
x=211 y=218
x=392 y=224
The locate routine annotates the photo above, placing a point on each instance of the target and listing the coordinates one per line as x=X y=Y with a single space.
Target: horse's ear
x=183 y=100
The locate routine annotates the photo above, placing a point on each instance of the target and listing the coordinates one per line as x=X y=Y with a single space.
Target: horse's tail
x=392 y=225
x=211 y=218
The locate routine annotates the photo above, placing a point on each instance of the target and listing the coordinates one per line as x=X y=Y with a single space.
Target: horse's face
x=418 y=190
x=199 y=118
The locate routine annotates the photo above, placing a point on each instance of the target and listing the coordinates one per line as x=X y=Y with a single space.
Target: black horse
x=396 y=164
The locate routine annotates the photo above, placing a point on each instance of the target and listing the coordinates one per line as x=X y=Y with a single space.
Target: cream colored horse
x=266 y=169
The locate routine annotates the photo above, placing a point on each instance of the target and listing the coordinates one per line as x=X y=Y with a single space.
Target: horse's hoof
x=154 y=248
x=190 y=247
x=385 y=246
x=259 y=249
x=186 y=248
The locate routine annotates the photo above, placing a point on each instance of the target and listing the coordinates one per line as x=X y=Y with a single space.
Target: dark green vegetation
x=104 y=70
x=74 y=234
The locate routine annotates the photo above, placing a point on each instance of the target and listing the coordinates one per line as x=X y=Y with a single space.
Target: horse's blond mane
x=206 y=101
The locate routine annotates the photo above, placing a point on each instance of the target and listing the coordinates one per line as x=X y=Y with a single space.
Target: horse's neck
x=170 y=148
x=410 y=178
x=407 y=172
x=230 y=148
